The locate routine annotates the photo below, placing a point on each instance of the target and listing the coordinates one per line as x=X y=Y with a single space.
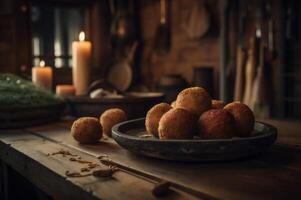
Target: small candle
x=65 y=90
x=81 y=57
x=42 y=75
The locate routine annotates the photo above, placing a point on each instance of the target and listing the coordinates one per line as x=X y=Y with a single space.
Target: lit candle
x=42 y=75
x=65 y=90
x=81 y=53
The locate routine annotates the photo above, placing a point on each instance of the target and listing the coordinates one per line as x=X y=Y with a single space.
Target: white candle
x=42 y=75
x=81 y=57
x=65 y=90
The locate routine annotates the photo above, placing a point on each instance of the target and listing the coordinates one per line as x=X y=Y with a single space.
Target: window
x=54 y=28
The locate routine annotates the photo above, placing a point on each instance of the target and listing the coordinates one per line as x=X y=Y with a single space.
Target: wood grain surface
x=273 y=175
x=28 y=154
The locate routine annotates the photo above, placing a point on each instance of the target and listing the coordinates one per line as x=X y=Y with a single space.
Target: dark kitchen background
x=169 y=45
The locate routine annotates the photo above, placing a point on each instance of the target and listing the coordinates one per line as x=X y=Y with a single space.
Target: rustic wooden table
x=273 y=175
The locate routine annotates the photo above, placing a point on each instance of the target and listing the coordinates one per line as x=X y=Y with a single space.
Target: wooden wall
x=14 y=37
x=185 y=53
x=7 y=39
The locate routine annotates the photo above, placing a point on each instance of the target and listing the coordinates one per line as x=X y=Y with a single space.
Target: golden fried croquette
x=194 y=99
x=86 y=130
x=153 y=117
x=244 y=118
x=216 y=124
x=217 y=104
x=177 y=124
x=111 y=117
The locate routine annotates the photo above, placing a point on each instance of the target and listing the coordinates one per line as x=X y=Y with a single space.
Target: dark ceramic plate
x=132 y=136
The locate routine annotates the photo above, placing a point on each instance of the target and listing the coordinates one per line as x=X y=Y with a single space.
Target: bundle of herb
x=17 y=92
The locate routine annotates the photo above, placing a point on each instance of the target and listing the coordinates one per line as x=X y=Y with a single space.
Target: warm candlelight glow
x=65 y=90
x=42 y=63
x=42 y=75
x=81 y=66
x=82 y=36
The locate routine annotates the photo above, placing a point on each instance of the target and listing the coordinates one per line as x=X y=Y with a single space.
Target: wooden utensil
x=121 y=73
x=249 y=74
x=162 y=37
x=256 y=44
x=198 y=22
x=260 y=101
x=256 y=98
x=123 y=26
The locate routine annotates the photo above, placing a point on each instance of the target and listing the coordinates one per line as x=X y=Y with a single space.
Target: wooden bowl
x=135 y=104
x=128 y=135
x=18 y=117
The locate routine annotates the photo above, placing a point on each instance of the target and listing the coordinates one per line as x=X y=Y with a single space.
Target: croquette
x=153 y=117
x=111 y=117
x=86 y=130
x=216 y=124
x=177 y=124
x=195 y=100
x=244 y=118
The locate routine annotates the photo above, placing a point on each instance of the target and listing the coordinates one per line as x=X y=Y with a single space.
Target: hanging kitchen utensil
x=121 y=74
x=254 y=58
x=257 y=89
x=260 y=98
x=249 y=73
x=198 y=22
x=260 y=101
x=262 y=87
x=123 y=26
x=162 y=37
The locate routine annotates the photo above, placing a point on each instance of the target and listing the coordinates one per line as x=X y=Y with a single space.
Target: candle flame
x=42 y=63
x=82 y=36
